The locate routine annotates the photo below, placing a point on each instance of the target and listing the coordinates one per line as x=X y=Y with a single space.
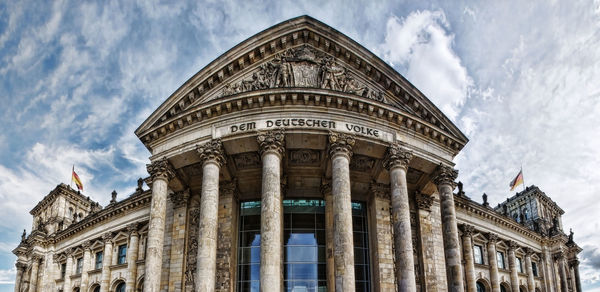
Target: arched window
x=120 y=287
x=503 y=288
x=480 y=287
x=97 y=288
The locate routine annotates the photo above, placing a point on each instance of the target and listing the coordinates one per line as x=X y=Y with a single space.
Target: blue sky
x=520 y=78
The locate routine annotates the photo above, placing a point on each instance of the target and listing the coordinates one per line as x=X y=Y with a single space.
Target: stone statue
x=24 y=235
x=114 y=197
x=485 y=201
x=505 y=210
x=140 y=185
x=460 y=192
x=570 y=235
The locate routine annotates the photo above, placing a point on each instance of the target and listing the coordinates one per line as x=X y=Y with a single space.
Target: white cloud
x=420 y=45
x=8 y=276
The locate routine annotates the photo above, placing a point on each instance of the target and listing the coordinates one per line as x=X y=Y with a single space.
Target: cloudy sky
x=520 y=78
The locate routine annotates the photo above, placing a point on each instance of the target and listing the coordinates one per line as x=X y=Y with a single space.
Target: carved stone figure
x=23 y=236
x=485 y=201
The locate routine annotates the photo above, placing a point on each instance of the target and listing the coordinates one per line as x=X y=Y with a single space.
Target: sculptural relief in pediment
x=303 y=66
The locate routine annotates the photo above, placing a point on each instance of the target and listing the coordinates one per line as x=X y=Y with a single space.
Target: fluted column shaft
x=468 y=256
x=575 y=265
x=211 y=154
x=563 y=273
x=68 y=271
x=271 y=148
x=444 y=179
x=132 y=256
x=512 y=264
x=396 y=161
x=548 y=270
x=529 y=267
x=493 y=262
x=326 y=191
x=161 y=172
x=34 y=274
x=86 y=263
x=106 y=262
x=20 y=268
x=340 y=152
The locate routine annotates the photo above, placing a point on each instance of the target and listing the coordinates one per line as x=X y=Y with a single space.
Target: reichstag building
x=298 y=161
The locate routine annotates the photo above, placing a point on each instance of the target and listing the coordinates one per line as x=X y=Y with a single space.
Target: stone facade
x=298 y=113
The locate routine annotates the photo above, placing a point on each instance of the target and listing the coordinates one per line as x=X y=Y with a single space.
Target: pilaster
x=179 y=201
x=467 y=239
x=384 y=276
x=106 y=262
x=326 y=191
x=493 y=261
x=132 y=255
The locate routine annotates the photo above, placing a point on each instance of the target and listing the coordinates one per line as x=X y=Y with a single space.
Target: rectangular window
x=500 y=258
x=122 y=254
x=534 y=268
x=99 y=256
x=519 y=265
x=477 y=254
x=63 y=270
x=79 y=266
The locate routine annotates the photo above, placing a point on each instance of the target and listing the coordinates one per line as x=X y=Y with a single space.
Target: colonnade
x=340 y=237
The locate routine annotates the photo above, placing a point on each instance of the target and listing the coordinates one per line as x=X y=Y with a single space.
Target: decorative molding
x=192 y=250
x=304 y=157
x=362 y=163
x=467 y=230
x=340 y=143
x=86 y=245
x=445 y=175
x=228 y=188
x=492 y=238
x=212 y=151
x=325 y=186
x=558 y=256
x=512 y=245
x=132 y=229
x=108 y=236
x=397 y=156
x=180 y=198
x=271 y=141
x=247 y=160
x=424 y=202
x=380 y=191
x=161 y=169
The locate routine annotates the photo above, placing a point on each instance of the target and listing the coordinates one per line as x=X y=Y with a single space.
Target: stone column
x=161 y=172
x=560 y=259
x=132 y=256
x=271 y=146
x=68 y=270
x=396 y=161
x=87 y=253
x=106 y=262
x=529 y=267
x=48 y=281
x=493 y=262
x=20 y=269
x=178 y=235
x=35 y=261
x=574 y=263
x=211 y=155
x=340 y=151
x=548 y=269
x=512 y=265
x=467 y=239
x=444 y=179
x=326 y=191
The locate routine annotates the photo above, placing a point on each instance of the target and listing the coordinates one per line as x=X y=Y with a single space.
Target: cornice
x=495 y=217
x=130 y=204
x=186 y=105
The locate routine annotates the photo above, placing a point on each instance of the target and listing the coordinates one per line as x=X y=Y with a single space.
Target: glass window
x=534 y=268
x=361 y=246
x=519 y=265
x=79 y=265
x=500 y=258
x=120 y=287
x=99 y=256
x=480 y=287
x=477 y=254
x=63 y=270
x=122 y=258
x=97 y=289
x=249 y=247
x=502 y=288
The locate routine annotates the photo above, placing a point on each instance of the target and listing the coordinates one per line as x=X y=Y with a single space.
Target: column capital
x=69 y=251
x=512 y=245
x=107 y=237
x=492 y=238
x=86 y=245
x=559 y=256
x=467 y=230
x=380 y=190
x=161 y=169
x=529 y=252
x=228 y=188
x=212 y=151
x=574 y=263
x=340 y=143
x=179 y=198
x=397 y=156
x=325 y=186
x=445 y=175
x=132 y=229
x=424 y=201
x=20 y=266
x=271 y=141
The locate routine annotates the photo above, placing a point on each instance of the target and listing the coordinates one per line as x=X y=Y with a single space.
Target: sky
x=519 y=78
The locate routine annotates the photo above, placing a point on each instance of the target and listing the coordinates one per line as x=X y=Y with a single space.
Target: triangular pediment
x=299 y=53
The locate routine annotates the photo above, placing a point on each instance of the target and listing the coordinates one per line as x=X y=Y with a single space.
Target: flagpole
x=523 y=176
x=72 y=170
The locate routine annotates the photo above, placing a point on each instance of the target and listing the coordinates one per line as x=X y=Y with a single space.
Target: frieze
x=247 y=160
x=303 y=66
x=304 y=157
x=362 y=163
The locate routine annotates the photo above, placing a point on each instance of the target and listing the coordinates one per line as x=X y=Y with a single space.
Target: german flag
x=517 y=181
x=75 y=178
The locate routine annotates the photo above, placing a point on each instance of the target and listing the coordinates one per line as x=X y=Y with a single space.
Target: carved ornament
x=492 y=238
x=212 y=151
x=397 y=156
x=529 y=251
x=247 y=160
x=340 y=143
x=574 y=263
x=467 y=230
x=303 y=66
x=424 y=202
x=512 y=245
x=106 y=237
x=86 y=244
x=179 y=199
x=132 y=229
x=325 y=187
x=271 y=141
x=21 y=266
x=559 y=256
x=304 y=157
x=192 y=250
x=228 y=188
x=445 y=175
x=380 y=191
x=160 y=169
x=362 y=163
